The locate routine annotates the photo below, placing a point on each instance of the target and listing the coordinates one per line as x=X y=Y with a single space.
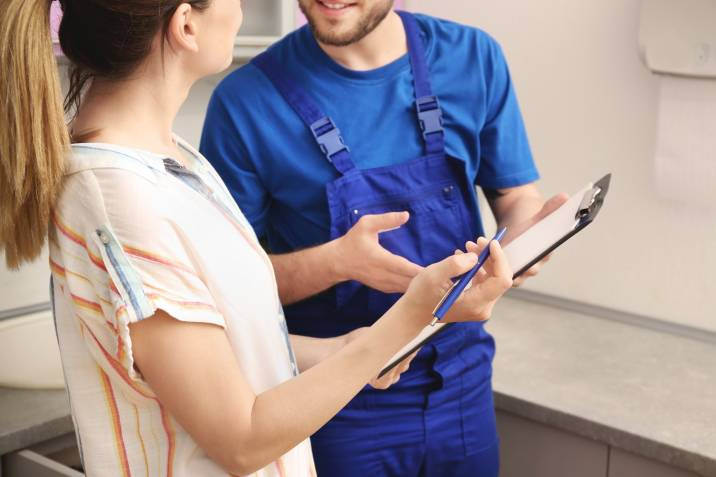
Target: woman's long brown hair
x=105 y=39
x=33 y=135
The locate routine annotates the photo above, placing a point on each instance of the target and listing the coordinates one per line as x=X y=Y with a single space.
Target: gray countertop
x=643 y=391
x=28 y=417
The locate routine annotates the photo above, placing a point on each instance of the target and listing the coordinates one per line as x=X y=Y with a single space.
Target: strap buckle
x=430 y=115
x=328 y=137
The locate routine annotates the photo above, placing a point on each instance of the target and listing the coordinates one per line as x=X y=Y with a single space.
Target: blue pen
x=457 y=288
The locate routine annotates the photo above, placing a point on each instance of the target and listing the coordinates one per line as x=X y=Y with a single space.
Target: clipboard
x=532 y=246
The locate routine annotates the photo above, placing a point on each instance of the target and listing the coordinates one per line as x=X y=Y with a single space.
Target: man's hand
x=513 y=232
x=362 y=258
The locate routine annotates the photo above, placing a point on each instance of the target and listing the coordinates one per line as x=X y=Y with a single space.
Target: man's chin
x=345 y=29
x=334 y=37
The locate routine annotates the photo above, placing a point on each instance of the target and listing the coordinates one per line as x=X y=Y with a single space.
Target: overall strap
x=324 y=130
x=430 y=116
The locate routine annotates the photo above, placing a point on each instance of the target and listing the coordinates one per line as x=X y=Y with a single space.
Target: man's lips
x=334 y=8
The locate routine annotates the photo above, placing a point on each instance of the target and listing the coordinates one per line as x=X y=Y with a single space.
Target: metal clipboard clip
x=593 y=199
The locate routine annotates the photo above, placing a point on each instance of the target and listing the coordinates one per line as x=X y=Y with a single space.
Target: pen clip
x=590 y=197
x=442 y=300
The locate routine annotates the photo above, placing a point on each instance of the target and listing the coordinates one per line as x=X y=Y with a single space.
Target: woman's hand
x=392 y=376
x=477 y=301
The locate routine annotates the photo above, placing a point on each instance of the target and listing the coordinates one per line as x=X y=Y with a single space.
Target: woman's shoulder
x=103 y=185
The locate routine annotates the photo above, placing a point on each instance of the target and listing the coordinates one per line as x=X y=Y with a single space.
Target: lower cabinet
x=531 y=449
x=56 y=458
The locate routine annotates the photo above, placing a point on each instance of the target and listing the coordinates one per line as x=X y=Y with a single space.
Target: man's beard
x=365 y=26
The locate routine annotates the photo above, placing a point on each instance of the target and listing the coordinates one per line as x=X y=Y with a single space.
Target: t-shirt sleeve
x=133 y=260
x=506 y=160
x=223 y=147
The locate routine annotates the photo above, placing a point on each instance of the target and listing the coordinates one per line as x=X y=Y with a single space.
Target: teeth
x=334 y=6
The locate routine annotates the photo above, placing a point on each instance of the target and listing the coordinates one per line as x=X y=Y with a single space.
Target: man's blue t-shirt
x=276 y=171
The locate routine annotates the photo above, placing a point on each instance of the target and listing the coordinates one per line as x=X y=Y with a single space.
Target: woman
x=172 y=336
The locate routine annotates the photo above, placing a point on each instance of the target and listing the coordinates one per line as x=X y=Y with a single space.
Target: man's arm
x=518 y=209
x=357 y=255
x=311 y=351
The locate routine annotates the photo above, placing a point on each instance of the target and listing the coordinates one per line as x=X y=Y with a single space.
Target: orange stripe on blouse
x=113 y=288
x=141 y=440
x=115 y=364
x=64 y=272
x=166 y=422
x=87 y=304
x=120 y=311
x=78 y=239
x=153 y=257
x=56 y=269
x=116 y=423
x=93 y=306
x=169 y=429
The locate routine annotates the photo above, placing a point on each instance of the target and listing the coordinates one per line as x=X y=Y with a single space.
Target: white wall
x=590 y=108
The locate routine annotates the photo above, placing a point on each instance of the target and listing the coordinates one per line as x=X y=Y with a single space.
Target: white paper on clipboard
x=530 y=247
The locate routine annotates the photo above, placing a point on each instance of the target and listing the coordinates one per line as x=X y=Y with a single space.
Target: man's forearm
x=307 y=272
x=520 y=210
x=311 y=351
x=515 y=206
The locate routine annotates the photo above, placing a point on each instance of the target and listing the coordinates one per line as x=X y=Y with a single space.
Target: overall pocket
x=437 y=226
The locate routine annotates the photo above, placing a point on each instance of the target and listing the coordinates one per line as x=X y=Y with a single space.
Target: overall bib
x=439 y=419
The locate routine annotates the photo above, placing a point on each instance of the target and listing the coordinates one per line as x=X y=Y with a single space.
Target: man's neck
x=380 y=47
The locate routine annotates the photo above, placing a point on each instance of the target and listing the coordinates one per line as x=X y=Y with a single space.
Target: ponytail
x=33 y=135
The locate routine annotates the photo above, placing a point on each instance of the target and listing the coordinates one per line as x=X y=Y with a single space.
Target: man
x=326 y=141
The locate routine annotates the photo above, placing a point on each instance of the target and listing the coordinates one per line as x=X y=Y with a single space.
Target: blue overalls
x=439 y=419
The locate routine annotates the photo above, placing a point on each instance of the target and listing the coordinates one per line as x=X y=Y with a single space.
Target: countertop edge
x=639 y=445
x=18 y=440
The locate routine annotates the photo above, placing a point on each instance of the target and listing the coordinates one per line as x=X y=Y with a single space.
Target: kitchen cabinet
x=529 y=448
x=265 y=22
x=55 y=458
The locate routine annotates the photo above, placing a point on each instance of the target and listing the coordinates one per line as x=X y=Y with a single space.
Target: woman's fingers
x=393 y=376
x=477 y=247
x=453 y=266
x=500 y=273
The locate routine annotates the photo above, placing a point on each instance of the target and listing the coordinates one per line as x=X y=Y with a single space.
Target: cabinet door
x=624 y=464
x=264 y=17
x=531 y=449
x=265 y=22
